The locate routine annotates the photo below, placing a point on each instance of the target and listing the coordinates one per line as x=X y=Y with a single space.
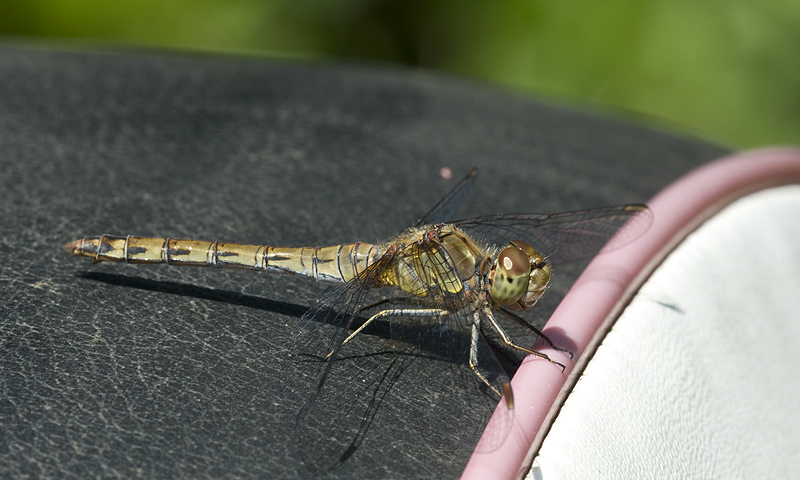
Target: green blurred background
x=725 y=70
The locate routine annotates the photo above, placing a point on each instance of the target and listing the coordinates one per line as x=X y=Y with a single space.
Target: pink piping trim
x=604 y=289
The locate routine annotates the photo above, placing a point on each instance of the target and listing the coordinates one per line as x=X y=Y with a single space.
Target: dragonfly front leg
x=507 y=340
x=541 y=335
x=396 y=312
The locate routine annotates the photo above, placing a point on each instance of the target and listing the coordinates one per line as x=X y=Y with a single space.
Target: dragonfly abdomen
x=335 y=263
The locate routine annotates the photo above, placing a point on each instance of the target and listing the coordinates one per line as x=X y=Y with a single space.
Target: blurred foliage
x=728 y=70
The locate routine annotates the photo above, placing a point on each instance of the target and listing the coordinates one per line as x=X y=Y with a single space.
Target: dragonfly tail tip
x=73 y=248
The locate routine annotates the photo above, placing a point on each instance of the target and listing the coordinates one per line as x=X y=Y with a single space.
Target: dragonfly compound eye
x=521 y=277
x=512 y=270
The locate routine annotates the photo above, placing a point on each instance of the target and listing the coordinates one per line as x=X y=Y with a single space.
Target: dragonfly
x=458 y=279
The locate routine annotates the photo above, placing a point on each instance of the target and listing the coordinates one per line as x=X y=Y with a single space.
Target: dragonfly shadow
x=193 y=291
x=381 y=329
x=427 y=338
x=411 y=364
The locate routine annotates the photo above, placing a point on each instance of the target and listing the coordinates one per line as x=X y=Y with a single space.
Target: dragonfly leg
x=507 y=340
x=473 y=358
x=395 y=312
x=538 y=332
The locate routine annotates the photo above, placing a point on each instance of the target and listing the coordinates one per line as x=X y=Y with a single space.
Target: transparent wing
x=349 y=405
x=449 y=405
x=447 y=207
x=319 y=337
x=403 y=384
x=410 y=390
x=565 y=237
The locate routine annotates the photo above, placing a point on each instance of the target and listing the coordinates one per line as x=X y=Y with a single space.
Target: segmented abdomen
x=336 y=262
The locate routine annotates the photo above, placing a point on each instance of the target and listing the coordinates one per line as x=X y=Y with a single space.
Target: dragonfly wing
x=446 y=208
x=333 y=396
x=319 y=338
x=407 y=393
x=431 y=397
x=449 y=396
x=350 y=405
x=565 y=237
x=408 y=387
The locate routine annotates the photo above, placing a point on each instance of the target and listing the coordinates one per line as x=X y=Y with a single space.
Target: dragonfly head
x=519 y=276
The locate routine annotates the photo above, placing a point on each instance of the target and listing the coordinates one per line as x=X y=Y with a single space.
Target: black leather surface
x=113 y=370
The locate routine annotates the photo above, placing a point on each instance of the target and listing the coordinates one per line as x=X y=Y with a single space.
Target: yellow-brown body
x=434 y=260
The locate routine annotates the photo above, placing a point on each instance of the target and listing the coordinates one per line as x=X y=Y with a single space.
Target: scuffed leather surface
x=697 y=377
x=156 y=372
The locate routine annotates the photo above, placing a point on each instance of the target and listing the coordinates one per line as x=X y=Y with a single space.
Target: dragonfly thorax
x=436 y=261
x=519 y=276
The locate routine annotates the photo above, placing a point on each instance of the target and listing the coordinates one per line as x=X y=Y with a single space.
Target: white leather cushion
x=697 y=379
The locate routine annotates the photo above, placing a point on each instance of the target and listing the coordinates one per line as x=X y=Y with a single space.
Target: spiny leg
x=396 y=312
x=473 y=357
x=538 y=332
x=507 y=340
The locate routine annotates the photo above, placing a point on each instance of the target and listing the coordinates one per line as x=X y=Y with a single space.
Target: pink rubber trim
x=607 y=286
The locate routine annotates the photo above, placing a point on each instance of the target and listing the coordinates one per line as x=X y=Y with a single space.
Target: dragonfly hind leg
x=396 y=312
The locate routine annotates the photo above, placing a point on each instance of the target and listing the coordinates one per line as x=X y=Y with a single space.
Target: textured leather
x=156 y=372
x=697 y=377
